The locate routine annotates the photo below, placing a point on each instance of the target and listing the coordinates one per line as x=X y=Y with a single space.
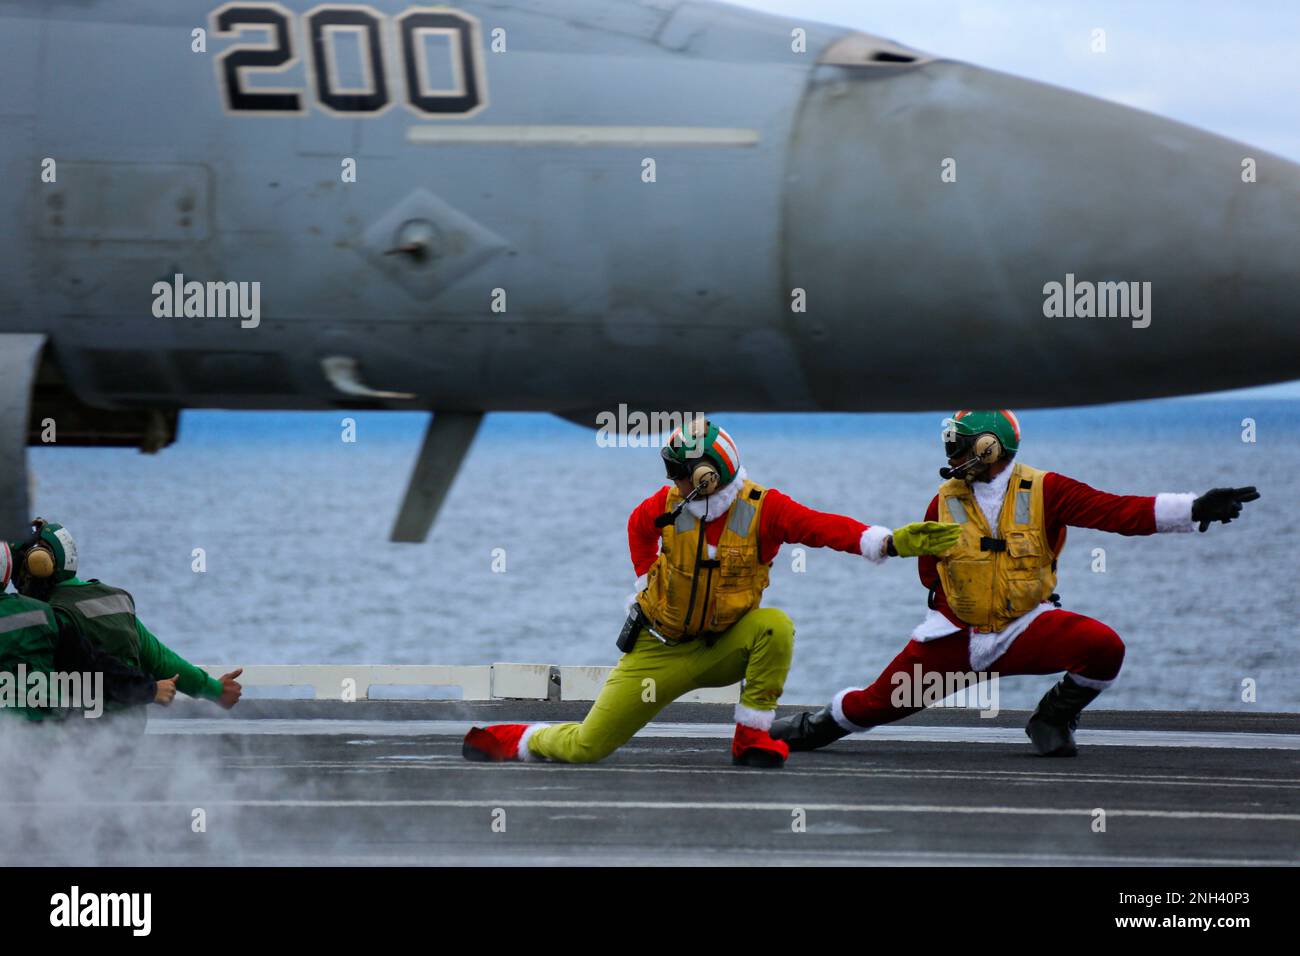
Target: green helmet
x=701 y=439
x=49 y=554
x=967 y=424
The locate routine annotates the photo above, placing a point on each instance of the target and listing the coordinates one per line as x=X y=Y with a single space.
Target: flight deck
x=384 y=782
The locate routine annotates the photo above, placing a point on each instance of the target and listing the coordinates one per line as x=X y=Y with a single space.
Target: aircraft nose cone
x=931 y=211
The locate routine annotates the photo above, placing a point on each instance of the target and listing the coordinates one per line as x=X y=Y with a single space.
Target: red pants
x=1055 y=641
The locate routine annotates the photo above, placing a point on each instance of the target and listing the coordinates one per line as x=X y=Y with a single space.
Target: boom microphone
x=668 y=517
x=960 y=470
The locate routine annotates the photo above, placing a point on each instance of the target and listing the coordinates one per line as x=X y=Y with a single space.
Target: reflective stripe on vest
x=105 y=615
x=15 y=622
x=1022 y=506
x=103 y=606
x=742 y=516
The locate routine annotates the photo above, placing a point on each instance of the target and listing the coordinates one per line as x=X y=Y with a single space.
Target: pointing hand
x=1221 y=504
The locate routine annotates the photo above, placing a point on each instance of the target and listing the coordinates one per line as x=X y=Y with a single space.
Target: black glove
x=1221 y=504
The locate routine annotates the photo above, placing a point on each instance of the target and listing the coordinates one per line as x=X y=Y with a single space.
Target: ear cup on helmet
x=39 y=562
x=706 y=478
x=988 y=449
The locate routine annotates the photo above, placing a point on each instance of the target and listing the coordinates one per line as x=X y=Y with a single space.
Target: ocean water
x=294 y=523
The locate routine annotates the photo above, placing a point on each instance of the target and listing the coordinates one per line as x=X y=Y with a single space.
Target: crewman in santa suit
x=991 y=606
x=702 y=548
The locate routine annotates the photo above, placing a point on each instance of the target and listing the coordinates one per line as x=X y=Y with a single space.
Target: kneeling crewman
x=46 y=569
x=991 y=605
x=32 y=642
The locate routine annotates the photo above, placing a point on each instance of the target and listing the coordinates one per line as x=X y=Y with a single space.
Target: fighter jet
x=567 y=205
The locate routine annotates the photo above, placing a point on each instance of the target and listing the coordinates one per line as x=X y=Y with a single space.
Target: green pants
x=757 y=649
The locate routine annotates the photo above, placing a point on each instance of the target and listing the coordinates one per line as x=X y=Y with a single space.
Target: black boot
x=1051 y=728
x=808 y=731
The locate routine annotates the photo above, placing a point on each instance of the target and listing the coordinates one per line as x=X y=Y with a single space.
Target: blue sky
x=1230 y=68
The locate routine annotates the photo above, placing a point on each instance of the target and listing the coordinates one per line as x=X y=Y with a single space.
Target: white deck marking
x=965 y=735
x=721 y=805
x=805 y=772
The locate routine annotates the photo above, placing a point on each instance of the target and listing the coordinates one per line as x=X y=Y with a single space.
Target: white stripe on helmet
x=729 y=449
x=1011 y=417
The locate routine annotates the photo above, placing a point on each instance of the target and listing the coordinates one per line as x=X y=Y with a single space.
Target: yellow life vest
x=992 y=580
x=688 y=593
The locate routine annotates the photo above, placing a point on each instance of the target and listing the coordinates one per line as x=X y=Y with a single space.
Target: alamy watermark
x=130 y=910
x=1103 y=300
x=921 y=688
x=637 y=429
x=57 y=690
x=208 y=300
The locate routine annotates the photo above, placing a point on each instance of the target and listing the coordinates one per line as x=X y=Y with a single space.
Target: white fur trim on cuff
x=873 y=543
x=1174 y=512
x=639 y=586
x=757 y=719
x=837 y=711
x=1090 y=682
x=524 y=753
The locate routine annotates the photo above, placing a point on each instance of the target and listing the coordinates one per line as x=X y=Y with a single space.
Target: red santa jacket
x=781 y=521
x=1066 y=503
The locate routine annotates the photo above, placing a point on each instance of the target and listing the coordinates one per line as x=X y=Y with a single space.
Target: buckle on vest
x=668 y=641
x=643 y=620
x=993 y=544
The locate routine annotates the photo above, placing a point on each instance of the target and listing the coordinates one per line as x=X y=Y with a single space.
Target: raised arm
x=1070 y=502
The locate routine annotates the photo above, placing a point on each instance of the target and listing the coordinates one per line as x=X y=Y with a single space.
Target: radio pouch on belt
x=627 y=637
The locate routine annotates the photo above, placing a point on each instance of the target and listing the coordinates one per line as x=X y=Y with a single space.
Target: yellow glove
x=925 y=537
